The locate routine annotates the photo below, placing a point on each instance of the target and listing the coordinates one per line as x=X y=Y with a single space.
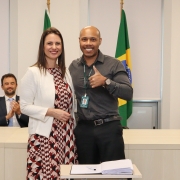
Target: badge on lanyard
x=84 y=101
x=85 y=98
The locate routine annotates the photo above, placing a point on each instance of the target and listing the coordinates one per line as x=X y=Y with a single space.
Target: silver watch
x=107 y=82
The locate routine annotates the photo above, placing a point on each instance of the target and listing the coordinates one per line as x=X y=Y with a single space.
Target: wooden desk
x=5 y=134
x=156 y=152
x=65 y=173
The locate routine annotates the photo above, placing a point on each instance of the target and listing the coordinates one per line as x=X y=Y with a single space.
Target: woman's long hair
x=41 y=59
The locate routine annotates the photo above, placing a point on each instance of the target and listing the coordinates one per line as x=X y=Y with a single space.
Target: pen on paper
x=91 y=168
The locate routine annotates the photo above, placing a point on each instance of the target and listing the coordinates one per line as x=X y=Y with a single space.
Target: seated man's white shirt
x=15 y=122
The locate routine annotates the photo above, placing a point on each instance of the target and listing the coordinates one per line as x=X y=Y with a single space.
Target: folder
x=109 y=167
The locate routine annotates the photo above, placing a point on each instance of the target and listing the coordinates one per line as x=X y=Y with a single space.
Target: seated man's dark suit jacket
x=23 y=120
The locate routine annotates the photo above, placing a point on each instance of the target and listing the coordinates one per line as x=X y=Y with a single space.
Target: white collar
x=7 y=98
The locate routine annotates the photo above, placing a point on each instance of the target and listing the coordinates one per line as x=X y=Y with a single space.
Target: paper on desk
x=117 y=167
x=109 y=167
x=86 y=169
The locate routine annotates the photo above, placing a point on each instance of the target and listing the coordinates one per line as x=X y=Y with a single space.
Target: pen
x=91 y=168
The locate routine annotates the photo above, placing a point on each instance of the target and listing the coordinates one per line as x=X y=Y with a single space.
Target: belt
x=98 y=122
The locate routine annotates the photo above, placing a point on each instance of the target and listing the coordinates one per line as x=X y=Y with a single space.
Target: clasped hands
x=15 y=108
x=97 y=79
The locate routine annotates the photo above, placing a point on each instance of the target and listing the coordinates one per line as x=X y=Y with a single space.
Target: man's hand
x=97 y=79
x=10 y=115
x=16 y=107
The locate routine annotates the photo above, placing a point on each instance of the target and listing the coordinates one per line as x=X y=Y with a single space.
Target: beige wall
x=175 y=59
x=4 y=37
x=171 y=83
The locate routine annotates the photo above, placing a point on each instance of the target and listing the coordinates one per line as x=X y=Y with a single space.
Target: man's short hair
x=6 y=76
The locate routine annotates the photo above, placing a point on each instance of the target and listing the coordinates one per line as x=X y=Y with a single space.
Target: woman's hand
x=58 y=114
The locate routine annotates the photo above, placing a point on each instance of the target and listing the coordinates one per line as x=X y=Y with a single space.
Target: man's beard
x=10 y=93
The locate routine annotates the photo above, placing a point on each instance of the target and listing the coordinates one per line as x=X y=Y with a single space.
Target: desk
x=65 y=173
x=5 y=134
x=156 y=152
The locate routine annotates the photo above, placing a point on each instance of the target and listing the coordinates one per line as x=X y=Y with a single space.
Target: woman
x=47 y=98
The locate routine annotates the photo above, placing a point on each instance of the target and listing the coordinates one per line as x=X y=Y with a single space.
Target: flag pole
x=122 y=2
x=48 y=5
x=121 y=5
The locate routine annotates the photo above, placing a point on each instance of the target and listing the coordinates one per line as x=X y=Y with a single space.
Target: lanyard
x=86 y=78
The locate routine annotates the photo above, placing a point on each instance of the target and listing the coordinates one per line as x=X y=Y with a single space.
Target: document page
x=86 y=169
x=117 y=167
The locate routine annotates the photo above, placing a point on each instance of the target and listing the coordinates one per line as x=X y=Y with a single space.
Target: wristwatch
x=107 y=82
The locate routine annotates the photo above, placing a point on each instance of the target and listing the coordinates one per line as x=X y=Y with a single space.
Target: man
x=10 y=113
x=99 y=80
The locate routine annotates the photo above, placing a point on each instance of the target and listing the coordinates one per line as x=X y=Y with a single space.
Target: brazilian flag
x=123 y=54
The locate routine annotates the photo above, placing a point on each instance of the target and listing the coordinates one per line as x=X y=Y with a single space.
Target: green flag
x=123 y=54
x=47 y=22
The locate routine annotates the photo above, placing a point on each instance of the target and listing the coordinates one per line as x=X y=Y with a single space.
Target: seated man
x=10 y=113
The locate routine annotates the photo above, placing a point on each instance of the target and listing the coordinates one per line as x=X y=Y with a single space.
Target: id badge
x=84 y=101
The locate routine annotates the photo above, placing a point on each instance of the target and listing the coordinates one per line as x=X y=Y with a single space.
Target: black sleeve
x=23 y=120
x=3 y=121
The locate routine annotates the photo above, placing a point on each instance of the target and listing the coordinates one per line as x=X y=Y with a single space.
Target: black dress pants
x=96 y=144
